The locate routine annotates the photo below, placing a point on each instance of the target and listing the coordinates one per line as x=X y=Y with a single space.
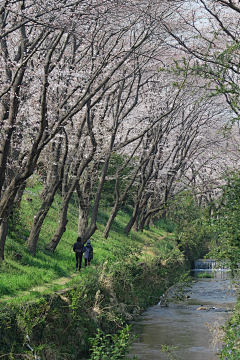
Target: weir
x=209 y=264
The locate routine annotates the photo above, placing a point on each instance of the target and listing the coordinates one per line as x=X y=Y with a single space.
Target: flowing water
x=194 y=332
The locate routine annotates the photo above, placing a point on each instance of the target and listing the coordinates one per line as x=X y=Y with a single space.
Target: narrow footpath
x=43 y=289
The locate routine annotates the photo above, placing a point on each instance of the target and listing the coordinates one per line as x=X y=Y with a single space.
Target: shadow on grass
x=39 y=269
x=40 y=264
x=127 y=210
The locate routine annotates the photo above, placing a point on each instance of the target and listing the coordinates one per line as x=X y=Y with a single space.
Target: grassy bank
x=32 y=271
x=231 y=335
x=128 y=273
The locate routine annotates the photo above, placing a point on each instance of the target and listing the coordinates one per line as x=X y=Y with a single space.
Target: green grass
x=31 y=271
x=205 y=275
x=166 y=225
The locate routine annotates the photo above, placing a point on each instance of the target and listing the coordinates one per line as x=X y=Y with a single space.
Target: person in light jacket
x=78 y=248
x=88 y=253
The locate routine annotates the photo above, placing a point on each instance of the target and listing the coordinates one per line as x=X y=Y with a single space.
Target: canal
x=191 y=325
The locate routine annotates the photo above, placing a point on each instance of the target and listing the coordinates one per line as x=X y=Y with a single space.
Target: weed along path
x=56 y=286
x=191 y=326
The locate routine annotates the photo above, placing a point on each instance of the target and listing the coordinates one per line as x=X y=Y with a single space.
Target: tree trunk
x=114 y=212
x=61 y=227
x=44 y=192
x=83 y=220
x=144 y=181
x=55 y=177
x=135 y=225
x=84 y=192
x=8 y=201
x=3 y=235
x=17 y=184
x=20 y=192
x=147 y=223
x=119 y=202
x=39 y=219
x=143 y=220
x=93 y=227
x=133 y=218
x=90 y=231
x=65 y=202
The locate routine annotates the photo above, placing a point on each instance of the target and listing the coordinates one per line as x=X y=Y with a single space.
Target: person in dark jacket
x=78 y=248
x=88 y=253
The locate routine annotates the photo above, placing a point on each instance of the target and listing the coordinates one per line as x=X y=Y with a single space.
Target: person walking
x=78 y=248
x=88 y=253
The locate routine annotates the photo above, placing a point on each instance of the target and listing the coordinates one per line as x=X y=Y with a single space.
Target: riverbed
x=191 y=325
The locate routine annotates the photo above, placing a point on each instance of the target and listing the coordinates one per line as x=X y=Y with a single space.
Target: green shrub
x=10 y=334
x=205 y=275
x=111 y=347
x=230 y=349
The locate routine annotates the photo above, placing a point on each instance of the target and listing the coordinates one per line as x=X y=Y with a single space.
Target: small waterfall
x=205 y=264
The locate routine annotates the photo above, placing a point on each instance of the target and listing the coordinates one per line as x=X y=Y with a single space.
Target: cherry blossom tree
x=47 y=79
x=205 y=34
x=80 y=82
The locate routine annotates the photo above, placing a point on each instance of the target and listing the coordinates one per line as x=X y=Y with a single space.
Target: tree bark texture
x=133 y=218
x=114 y=212
x=58 y=234
x=3 y=235
x=84 y=192
x=19 y=195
